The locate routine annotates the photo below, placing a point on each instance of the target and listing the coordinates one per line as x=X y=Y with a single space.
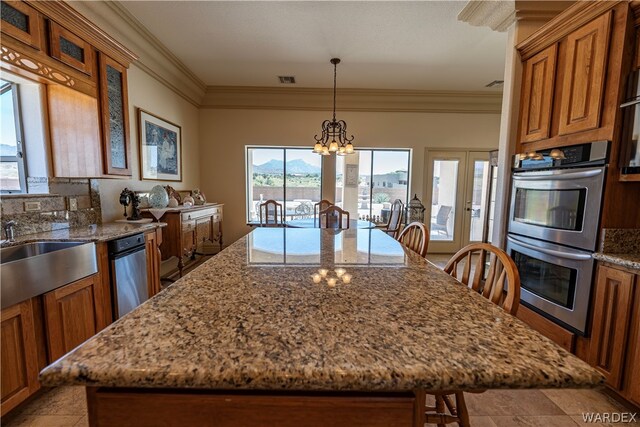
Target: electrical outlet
x=73 y=204
x=32 y=206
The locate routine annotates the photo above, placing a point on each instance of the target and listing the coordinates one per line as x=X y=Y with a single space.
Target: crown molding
x=500 y=15
x=154 y=58
x=370 y=100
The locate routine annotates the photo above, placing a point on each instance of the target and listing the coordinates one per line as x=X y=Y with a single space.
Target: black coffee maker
x=128 y=197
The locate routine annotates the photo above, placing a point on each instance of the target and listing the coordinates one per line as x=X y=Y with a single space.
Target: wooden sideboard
x=188 y=229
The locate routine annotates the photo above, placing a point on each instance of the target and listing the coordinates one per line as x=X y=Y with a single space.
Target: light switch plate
x=32 y=206
x=73 y=204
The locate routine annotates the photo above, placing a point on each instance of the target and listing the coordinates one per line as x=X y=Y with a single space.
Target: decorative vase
x=173 y=202
x=188 y=201
x=158 y=197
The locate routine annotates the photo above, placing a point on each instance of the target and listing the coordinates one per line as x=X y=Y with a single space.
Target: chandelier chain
x=335 y=73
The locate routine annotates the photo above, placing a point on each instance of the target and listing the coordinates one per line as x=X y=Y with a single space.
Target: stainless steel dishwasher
x=128 y=273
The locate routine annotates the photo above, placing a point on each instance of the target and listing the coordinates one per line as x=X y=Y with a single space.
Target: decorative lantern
x=415 y=210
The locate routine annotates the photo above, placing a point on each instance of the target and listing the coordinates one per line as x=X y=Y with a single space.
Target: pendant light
x=334 y=137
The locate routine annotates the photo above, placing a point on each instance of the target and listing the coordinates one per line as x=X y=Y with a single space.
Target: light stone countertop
x=241 y=322
x=90 y=233
x=625 y=260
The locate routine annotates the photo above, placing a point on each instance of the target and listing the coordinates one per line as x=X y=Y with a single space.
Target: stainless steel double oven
x=555 y=209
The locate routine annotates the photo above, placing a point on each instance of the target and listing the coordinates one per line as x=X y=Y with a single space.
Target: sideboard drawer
x=201 y=213
x=188 y=225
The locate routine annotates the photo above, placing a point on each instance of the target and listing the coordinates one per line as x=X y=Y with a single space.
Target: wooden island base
x=171 y=407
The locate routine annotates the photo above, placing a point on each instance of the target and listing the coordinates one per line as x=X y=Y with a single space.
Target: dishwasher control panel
x=126 y=243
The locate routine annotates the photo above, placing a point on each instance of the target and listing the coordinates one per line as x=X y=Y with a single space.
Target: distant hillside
x=7 y=150
x=297 y=166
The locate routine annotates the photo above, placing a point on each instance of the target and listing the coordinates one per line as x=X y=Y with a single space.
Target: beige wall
x=147 y=93
x=224 y=134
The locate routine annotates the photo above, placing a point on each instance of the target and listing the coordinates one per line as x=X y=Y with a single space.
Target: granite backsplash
x=620 y=241
x=54 y=212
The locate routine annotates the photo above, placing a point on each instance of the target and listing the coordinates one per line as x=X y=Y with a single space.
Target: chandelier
x=334 y=137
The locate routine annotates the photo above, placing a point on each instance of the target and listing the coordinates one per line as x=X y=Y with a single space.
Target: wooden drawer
x=188 y=225
x=200 y=213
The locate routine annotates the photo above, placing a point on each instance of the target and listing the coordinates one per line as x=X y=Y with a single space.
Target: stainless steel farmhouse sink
x=34 y=268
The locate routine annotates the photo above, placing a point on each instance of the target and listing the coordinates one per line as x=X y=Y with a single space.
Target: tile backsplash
x=53 y=212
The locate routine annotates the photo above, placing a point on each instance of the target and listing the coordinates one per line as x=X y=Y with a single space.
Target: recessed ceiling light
x=288 y=80
x=496 y=84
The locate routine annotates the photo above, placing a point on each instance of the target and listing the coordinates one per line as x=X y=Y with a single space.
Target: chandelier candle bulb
x=340 y=271
x=346 y=278
x=317 y=278
x=331 y=281
x=323 y=272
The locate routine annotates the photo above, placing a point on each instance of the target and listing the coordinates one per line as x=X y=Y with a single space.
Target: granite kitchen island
x=257 y=336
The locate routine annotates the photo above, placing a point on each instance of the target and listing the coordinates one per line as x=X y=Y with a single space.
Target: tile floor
x=66 y=407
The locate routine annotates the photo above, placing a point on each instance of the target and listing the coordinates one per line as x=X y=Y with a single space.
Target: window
x=368 y=181
x=290 y=176
x=12 y=173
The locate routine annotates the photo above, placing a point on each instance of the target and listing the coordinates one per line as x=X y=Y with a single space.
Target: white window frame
x=19 y=158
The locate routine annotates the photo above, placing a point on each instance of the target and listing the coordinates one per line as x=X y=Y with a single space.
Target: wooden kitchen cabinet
x=581 y=95
x=19 y=356
x=116 y=150
x=22 y=22
x=537 y=95
x=70 y=49
x=631 y=383
x=611 y=316
x=75 y=133
x=154 y=257
x=73 y=314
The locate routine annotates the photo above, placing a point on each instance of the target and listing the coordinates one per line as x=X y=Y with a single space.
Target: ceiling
x=383 y=45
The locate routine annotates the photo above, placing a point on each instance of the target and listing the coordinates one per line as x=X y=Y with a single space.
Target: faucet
x=10 y=231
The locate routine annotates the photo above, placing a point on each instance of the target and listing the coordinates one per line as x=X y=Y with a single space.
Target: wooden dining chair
x=319 y=207
x=415 y=236
x=394 y=225
x=500 y=284
x=271 y=214
x=333 y=218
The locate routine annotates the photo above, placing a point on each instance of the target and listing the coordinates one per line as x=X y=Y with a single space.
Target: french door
x=457 y=191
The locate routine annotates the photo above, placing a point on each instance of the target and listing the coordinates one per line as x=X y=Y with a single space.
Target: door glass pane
x=492 y=202
x=478 y=206
x=443 y=199
x=390 y=182
x=303 y=183
x=9 y=176
x=560 y=209
x=353 y=183
x=266 y=178
x=552 y=282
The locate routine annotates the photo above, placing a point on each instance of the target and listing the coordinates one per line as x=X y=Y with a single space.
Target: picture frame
x=160 y=148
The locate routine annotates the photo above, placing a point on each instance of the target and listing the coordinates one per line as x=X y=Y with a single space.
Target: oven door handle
x=577 y=257
x=555 y=177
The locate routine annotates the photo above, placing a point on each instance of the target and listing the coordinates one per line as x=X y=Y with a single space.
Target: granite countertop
x=234 y=324
x=625 y=260
x=90 y=233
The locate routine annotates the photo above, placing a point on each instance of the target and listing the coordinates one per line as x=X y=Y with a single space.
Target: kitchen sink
x=33 y=269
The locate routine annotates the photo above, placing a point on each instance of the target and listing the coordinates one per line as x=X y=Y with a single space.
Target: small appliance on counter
x=128 y=197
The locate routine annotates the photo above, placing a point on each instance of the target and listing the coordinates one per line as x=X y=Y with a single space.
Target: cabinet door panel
x=583 y=84
x=537 y=95
x=73 y=315
x=614 y=290
x=19 y=356
x=21 y=22
x=75 y=133
x=153 y=263
x=71 y=49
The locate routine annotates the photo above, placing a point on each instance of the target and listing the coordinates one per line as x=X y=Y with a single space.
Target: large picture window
x=290 y=176
x=12 y=173
x=368 y=181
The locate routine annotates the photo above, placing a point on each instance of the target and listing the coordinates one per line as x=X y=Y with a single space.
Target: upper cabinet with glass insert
x=70 y=49
x=21 y=22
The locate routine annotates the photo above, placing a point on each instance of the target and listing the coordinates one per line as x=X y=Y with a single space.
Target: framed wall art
x=160 y=148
